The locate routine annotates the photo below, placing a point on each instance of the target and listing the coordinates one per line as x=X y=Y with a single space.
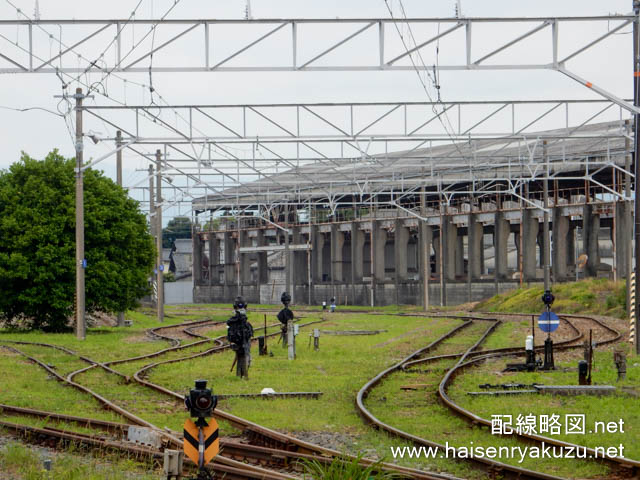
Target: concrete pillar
x=530 y=231
x=245 y=259
x=400 y=246
x=357 y=253
x=337 y=242
x=500 y=237
x=540 y=243
x=459 y=256
x=317 y=256
x=300 y=274
x=425 y=237
x=379 y=241
x=449 y=242
x=590 y=231
x=198 y=246
x=571 y=245
x=560 y=245
x=622 y=238
x=475 y=247
x=435 y=241
x=229 y=259
x=263 y=267
x=214 y=258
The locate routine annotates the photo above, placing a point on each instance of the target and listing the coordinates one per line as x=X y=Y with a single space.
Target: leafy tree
x=178 y=227
x=37 y=243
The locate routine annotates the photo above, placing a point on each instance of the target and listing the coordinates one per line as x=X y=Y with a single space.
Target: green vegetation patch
x=596 y=296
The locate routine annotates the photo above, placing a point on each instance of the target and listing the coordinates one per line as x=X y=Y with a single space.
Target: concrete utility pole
x=628 y=252
x=636 y=134
x=158 y=220
x=426 y=252
x=545 y=228
x=81 y=327
x=152 y=228
x=287 y=256
x=119 y=182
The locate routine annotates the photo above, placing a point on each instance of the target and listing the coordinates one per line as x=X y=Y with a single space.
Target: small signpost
x=201 y=443
x=548 y=322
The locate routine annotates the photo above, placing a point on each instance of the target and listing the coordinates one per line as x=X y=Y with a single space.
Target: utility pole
x=545 y=226
x=158 y=221
x=628 y=251
x=81 y=327
x=636 y=134
x=152 y=229
x=426 y=252
x=287 y=256
x=119 y=182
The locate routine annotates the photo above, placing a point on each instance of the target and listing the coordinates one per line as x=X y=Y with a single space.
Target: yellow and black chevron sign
x=210 y=441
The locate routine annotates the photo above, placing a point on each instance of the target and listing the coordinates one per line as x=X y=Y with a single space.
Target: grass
x=610 y=408
x=23 y=463
x=339 y=370
x=344 y=468
x=595 y=296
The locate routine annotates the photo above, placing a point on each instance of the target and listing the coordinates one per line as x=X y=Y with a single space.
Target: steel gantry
x=279 y=154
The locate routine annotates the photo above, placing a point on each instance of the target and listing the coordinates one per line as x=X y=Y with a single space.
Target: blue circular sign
x=548 y=322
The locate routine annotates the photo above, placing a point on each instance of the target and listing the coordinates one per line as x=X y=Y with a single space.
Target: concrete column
x=317 y=256
x=229 y=260
x=425 y=237
x=263 y=267
x=590 y=231
x=245 y=259
x=379 y=241
x=435 y=241
x=622 y=238
x=449 y=242
x=530 y=231
x=500 y=237
x=214 y=258
x=337 y=242
x=357 y=253
x=475 y=247
x=560 y=246
x=459 y=256
x=571 y=244
x=540 y=243
x=300 y=275
x=198 y=246
x=400 y=246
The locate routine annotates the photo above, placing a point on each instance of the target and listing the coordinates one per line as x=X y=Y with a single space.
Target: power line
x=422 y=82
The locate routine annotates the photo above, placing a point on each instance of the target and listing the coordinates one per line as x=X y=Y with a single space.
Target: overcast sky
x=38 y=132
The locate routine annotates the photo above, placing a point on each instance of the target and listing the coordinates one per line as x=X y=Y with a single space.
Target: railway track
x=473 y=356
x=282 y=447
x=278 y=450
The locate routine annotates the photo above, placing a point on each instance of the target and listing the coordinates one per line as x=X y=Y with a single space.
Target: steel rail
x=126 y=414
x=492 y=467
x=233 y=470
x=252 y=430
x=628 y=465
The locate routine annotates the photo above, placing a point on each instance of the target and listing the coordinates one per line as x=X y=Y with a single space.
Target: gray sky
x=609 y=65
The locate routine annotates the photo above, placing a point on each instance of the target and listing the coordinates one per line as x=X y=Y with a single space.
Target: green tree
x=37 y=243
x=178 y=227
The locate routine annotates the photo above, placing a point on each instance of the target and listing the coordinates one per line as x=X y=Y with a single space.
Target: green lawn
x=338 y=370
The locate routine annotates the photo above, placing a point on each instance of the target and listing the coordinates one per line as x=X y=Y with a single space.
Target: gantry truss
x=299 y=153
x=293 y=43
x=257 y=155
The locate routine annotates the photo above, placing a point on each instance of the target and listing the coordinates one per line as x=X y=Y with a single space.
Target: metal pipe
x=545 y=232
